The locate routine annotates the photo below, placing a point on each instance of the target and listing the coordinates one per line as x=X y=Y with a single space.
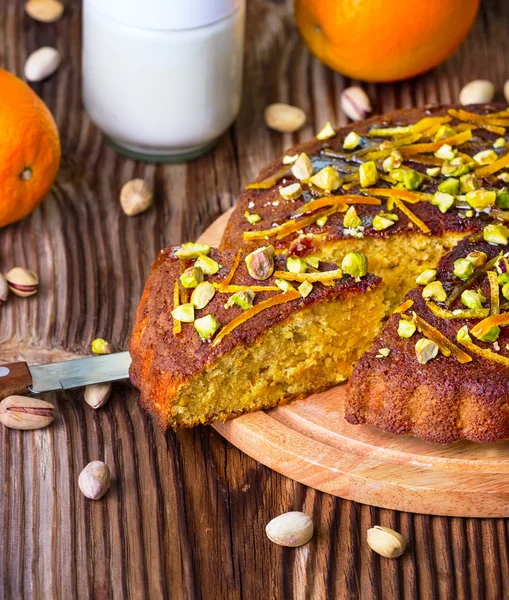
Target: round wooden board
x=309 y=441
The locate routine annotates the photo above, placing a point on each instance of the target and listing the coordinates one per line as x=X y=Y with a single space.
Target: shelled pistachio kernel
x=503 y=279
x=432 y=171
x=321 y=221
x=502 y=200
x=208 y=265
x=406 y=329
x=206 y=326
x=284 y=117
x=444 y=132
x=499 y=143
x=243 y=299
x=355 y=264
x=184 y=313
x=326 y=132
x=351 y=141
x=327 y=179
x=312 y=261
x=100 y=346
x=443 y=201
x=260 y=263
x=284 y=285
x=303 y=168
x=490 y=336
x=289 y=159
x=505 y=290
x=202 y=294
x=463 y=268
x=446 y=152
x=191 y=277
x=485 y=157
x=449 y=186
x=290 y=529
x=351 y=219
x=294 y=264
x=425 y=350
x=426 y=277
x=471 y=299
x=469 y=183
x=368 y=175
x=252 y=218
x=434 y=291
x=22 y=282
x=386 y=542
x=292 y=191
x=192 y=250
x=384 y=220
x=383 y=352
x=481 y=199
x=503 y=177
x=477 y=258
x=496 y=234
x=463 y=335
x=136 y=196
x=305 y=288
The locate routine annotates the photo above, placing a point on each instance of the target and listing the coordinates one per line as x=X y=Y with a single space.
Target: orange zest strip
x=177 y=325
x=270 y=181
x=404 y=306
x=455 y=140
x=428 y=122
x=443 y=313
x=493 y=168
x=231 y=289
x=464 y=115
x=335 y=201
x=446 y=346
x=321 y=276
x=465 y=127
x=485 y=353
x=230 y=275
x=485 y=325
x=281 y=231
x=425 y=159
x=251 y=312
x=407 y=195
x=413 y=217
x=494 y=293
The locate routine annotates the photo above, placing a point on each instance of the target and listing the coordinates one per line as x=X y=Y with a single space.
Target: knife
x=19 y=378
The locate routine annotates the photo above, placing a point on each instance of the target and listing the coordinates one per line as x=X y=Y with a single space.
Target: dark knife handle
x=15 y=378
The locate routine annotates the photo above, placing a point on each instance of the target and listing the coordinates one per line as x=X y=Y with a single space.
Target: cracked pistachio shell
x=94 y=480
x=22 y=282
x=290 y=529
x=386 y=542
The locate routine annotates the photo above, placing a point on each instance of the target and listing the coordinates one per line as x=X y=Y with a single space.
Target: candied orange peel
x=404 y=306
x=454 y=140
x=336 y=201
x=443 y=313
x=322 y=276
x=412 y=216
x=290 y=226
x=407 y=195
x=231 y=274
x=481 y=328
x=493 y=168
x=485 y=352
x=265 y=184
x=231 y=289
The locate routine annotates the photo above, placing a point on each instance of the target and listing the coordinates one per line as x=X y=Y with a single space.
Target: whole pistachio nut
x=386 y=542
x=98 y=394
x=24 y=412
x=478 y=91
x=355 y=103
x=506 y=90
x=100 y=346
x=260 y=263
x=136 y=197
x=290 y=529
x=4 y=289
x=202 y=294
x=284 y=117
x=45 y=11
x=42 y=63
x=22 y=282
x=94 y=480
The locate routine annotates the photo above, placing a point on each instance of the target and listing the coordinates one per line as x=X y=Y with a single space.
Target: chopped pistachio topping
x=296 y=265
x=351 y=219
x=505 y=290
x=289 y=159
x=502 y=265
x=260 y=263
x=383 y=352
x=242 y=299
x=433 y=171
x=406 y=329
x=434 y=291
x=503 y=279
x=327 y=179
x=450 y=170
x=425 y=350
x=496 y=233
x=446 y=152
x=355 y=264
x=468 y=183
x=284 y=285
x=426 y=277
x=191 y=277
x=443 y=201
x=303 y=167
x=472 y=299
x=326 y=133
x=486 y=157
x=184 y=313
x=463 y=335
x=393 y=161
x=412 y=180
x=444 y=132
x=321 y=221
x=463 y=268
x=206 y=326
x=449 y=186
x=499 y=143
x=192 y=250
x=478 y=259
x=291 y=192
x=252 y=218
x=313 y=261
x=490 y=336
x=384 y=220
x=502 y=200
x=503 y=177
x=202 y=294
x=305 y=288
x=368 y=175
x=351 y=141
x=481 y=199
x=208 y=265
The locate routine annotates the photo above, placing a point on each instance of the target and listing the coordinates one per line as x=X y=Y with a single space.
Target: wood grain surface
x=186 y=513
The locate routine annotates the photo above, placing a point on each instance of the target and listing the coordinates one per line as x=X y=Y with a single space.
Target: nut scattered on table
x=290 y=529
x=46 y=11
x=506 y=91
x=22 y=282
x=98 y=394
x=477 y=92
x=100 y=346
x=284 y=117
x=42 y=63
x=4 y=289
x=386 y=542
x=24 y=412
x=136 y=197
x=94 y=480
x=355 y=103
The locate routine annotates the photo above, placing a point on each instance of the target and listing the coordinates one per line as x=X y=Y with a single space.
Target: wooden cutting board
x=309 y=441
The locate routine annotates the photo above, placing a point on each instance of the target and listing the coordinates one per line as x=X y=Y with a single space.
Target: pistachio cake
x=440 y=367
x=402 y=188
x=218 y=334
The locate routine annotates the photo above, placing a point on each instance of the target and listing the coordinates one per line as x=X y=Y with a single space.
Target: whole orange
x=384 y=40
x=29 y=149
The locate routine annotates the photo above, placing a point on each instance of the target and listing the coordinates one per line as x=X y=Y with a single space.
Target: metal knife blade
x=79 y=372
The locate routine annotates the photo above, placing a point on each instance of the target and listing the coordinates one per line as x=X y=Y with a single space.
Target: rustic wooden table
x=186 y=514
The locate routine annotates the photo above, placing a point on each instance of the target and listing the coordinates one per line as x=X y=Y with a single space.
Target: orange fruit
x=29 y=149
x=376 y=40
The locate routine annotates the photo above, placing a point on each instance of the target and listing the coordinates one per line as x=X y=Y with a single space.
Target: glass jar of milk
x=162 y=78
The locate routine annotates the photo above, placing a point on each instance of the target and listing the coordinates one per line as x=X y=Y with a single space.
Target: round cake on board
x=310 y=441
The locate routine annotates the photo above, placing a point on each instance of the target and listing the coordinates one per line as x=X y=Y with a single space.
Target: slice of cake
x=440 y=367
x=401 y=188
x=220 y=334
